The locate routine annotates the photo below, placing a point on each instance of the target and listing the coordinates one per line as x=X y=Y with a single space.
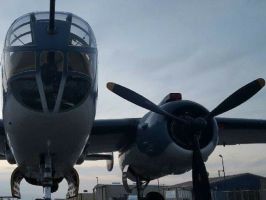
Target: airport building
x=236 y=187
x=118 y=192
x=84 y=196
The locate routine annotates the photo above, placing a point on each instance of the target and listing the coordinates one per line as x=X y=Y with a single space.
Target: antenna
x=51 y=28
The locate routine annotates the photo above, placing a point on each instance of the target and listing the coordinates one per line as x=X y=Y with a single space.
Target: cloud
x=205 y=50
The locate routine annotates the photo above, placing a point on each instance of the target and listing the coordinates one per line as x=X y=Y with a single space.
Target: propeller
x=238 y=97
x=139 y=100
x=201 y=186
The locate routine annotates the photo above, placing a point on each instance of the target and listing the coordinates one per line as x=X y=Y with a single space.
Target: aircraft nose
x=54 y=85
x=74 y=90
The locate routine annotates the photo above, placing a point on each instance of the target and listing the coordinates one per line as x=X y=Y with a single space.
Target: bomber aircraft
x=49 y=74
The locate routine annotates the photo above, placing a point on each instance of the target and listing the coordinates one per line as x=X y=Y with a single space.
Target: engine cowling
x=164 y=146
x=2 y=145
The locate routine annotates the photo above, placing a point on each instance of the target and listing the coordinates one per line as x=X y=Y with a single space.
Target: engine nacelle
x=2 y=145
x=164 y=147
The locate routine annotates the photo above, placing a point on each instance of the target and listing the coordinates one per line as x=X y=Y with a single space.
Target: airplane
x=49 y=79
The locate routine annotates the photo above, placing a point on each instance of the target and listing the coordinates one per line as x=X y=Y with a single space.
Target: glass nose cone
x=52 y=64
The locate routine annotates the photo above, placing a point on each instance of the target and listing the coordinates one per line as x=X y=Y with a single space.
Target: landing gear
x=140 y=186
x=47 y=178
x=47 y=193
x=140 y=183
x=72 y=179
x=16 y=179
x=50 y=183
x=154 y=196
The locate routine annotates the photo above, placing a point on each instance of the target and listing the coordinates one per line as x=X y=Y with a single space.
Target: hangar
x=244 y=186
x=235 y=187
x=117 y=191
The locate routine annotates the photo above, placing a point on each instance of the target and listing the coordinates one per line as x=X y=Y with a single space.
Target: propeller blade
x=139 y=100
x=201 y=185
x=238 y=97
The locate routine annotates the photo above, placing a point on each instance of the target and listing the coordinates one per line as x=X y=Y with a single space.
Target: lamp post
x=222 y=163
x=158 y=185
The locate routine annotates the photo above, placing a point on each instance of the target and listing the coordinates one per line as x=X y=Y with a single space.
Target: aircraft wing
x=116 y=134
x=112 y=135
x=241 y=131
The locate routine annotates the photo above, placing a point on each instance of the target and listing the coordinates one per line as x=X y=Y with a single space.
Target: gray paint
x=155 y=154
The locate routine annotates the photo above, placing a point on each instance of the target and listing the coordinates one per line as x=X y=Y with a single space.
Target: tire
x=154 y=196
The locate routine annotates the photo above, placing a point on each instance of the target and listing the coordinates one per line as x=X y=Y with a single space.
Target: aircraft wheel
x=154 y=196
x=54 y=187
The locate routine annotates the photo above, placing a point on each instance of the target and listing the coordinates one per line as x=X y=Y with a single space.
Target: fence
x=222 y=195
x=239 y=195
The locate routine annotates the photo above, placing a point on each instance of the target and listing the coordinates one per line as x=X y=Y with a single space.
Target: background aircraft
x=183 y=93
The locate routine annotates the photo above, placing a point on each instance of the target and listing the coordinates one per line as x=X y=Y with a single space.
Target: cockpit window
x=45 y=16
x=75 y=92
x=81 y=33
x=16 y=62
x=20 y=34
x=42 y=16
x=78 y=37
x=25 y=90
x=20 y=21
x=82 y=63
x=21 y=37
x=80 y=23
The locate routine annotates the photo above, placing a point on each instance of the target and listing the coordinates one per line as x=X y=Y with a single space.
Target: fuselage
x=49 y=90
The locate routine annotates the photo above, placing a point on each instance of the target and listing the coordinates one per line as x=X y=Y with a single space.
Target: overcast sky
x=203 y=49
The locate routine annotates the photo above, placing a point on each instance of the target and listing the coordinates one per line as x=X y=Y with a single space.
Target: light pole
x=158 y=185
x=222 y=163
x=97 y=180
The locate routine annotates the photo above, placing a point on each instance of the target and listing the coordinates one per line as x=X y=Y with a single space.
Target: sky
x=203 y=49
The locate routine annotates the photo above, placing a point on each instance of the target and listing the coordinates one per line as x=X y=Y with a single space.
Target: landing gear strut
x=47 y=193
x=140 y=183
x=47 y=178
